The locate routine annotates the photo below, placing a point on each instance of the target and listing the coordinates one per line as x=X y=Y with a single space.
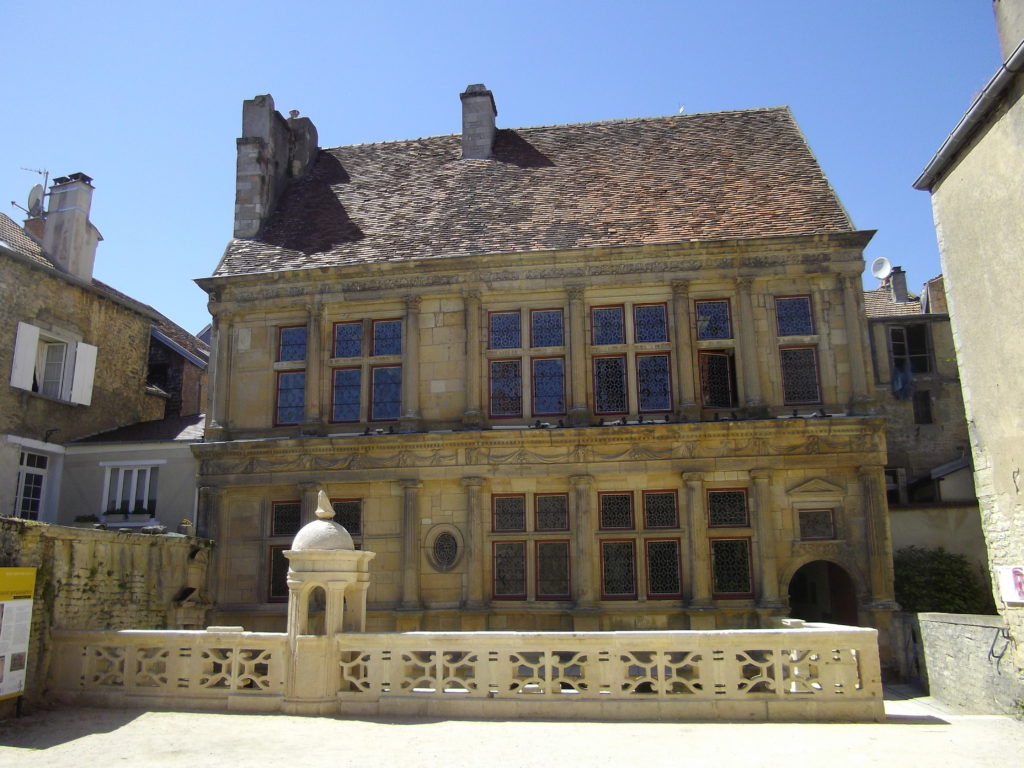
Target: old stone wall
x=965 y=661
x=96 y=579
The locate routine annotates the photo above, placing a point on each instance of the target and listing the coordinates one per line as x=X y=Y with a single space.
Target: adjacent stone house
x=78 y=356
x=977 y=195
x=594 y=376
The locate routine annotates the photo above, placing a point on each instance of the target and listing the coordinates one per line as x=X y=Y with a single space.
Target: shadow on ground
x=35 y=729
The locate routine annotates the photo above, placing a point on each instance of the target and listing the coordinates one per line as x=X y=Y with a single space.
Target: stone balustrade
x=813 y=672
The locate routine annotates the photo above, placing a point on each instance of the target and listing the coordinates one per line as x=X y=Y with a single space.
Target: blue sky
x=147 y=99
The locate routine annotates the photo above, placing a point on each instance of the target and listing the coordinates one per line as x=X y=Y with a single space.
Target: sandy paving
x=918 y=733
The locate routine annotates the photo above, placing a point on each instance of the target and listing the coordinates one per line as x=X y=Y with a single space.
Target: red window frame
x=831 y=518
x=536 y=511
x=664 y=311
x=728 y=309
x=494 y=570
x=494 y=510
x=277 y=397
x=490 y=397
x=280 y=342
x=750 y=569
x=533 y=387
x=605 y=595
x=746 y=506
x=568 y=569
x=334 y=339
x=560 y=311
x=625 y=382
x=593 y=325
x=679 y=569
x=810 y=312
x=344 y=499
x=632 y=510
x=675 y=499
x=817 y=374
x=362 y=390
x=671 y=393
x=369 y=413
x=273 y=516
x=490 y=315
x=271 y=597
x=373 y=336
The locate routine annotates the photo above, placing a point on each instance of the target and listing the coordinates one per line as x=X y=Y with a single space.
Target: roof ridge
x=580 y=124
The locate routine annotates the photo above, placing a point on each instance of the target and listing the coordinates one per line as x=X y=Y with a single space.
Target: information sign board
x=16 y=587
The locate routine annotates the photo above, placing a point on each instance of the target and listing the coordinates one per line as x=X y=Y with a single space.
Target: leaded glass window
x=660 y=510
x=348 y=338
x=717 y=380
x=548 y=385
x=608 y=324
x=546 y=328
x=504 y=330
x=506 y=388
x=713 y=321
x=616 y=510
x=292 y=344
x=552 y=570
x=509 y=513
x=663 y=576
x=387 y=337
x=618 y=569
x=347 y=387
x=348 y=513
x=509 y=569
x=285 y=518
x=650 y=323
x=799 y=375
x=445 y=551
x=610 y=385
x=727 y=509
x=552 y=512
x=278 y=588
x=386 y=395
x=654 y=388
x=816 y=524
x=793 y=316
x=730 y=568
x=291 y=397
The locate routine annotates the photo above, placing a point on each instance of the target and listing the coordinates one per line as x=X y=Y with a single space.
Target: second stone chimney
x=70 y=239
x=478 y=113
x=898 y=285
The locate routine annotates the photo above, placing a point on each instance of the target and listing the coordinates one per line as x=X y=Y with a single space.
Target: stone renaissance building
x=594 y=376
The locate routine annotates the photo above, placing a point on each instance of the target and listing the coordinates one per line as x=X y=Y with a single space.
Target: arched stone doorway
x=823 y=591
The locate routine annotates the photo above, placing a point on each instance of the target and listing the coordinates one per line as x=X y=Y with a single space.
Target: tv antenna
x=35 y=195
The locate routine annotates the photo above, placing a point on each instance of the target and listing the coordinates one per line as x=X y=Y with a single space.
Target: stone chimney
x=271 y=152
x=70 y=239
x=898 y=285
x=1009 y=25
x=478 y=113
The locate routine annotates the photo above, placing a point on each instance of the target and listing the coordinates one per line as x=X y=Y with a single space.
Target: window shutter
x=25 y=347
x=85 y=366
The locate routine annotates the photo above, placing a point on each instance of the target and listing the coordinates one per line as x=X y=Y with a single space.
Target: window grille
x=386 y=394
x=552 y=512
x=663 y=572
x=548 y=386
x=610 y=385
x=650 y=322
x=348 y=387
x=509 y=569
x=717 y=380
x=816 y=524
x=445 y=551
x=713 y=321
x=348 y=338
x=291 y=397
x=793 y=316
x=727 y=509
x=552 y=570
x=292 y=344
x=546 y=328
x=506 y=383
x=618 y=569
x=608 y=325
x=285 y=518
x=616 y=510
x=799 y=375
x=660 y=510
x=504 y=330
x=387 y=337
x=730 y=567
x=509 y=513
x=278 y=587
x=348 y=513
x=654 y=389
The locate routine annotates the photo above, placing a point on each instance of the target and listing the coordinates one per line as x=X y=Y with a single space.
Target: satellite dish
x=881 y=268
x=35 y=200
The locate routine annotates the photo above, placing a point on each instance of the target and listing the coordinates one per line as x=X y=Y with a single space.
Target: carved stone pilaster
x=579 y=411
x=475 y=559
x=411 y=544
x=581 y=515
x=686 y=406
x=700 y=558
x=410 y=420
x=472 y=417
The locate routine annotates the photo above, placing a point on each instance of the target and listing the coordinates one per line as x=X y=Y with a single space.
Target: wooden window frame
x=750 y=569
x=632 y=510
x=536 y=570
x=647 y=568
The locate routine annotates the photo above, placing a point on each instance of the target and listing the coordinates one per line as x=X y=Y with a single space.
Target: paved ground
x=919 y=732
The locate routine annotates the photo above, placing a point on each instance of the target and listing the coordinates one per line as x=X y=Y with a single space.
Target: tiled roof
x=175 y=428
x=710 y=176
x=879 y=303
x=14 y=236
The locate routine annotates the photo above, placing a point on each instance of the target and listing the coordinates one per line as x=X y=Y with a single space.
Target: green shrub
x=934 y=580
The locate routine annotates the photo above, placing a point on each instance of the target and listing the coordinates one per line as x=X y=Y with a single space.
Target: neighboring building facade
x=595 y=376
x=78 y=354
x=977 y=192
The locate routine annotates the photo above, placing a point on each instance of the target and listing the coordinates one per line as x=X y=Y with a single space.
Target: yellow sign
x=17 y=583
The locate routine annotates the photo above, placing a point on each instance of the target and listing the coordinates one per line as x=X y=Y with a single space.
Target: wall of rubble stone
x=98 y=579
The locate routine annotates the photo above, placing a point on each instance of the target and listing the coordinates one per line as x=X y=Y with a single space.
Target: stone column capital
x=412 y=303
x=581 y=480
x=743 y=284
x=472 y=482
x=681 y=288
x=760 y=474
x=574 y=292
x=471 y=294
x=692 y=478
x=410 y=483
